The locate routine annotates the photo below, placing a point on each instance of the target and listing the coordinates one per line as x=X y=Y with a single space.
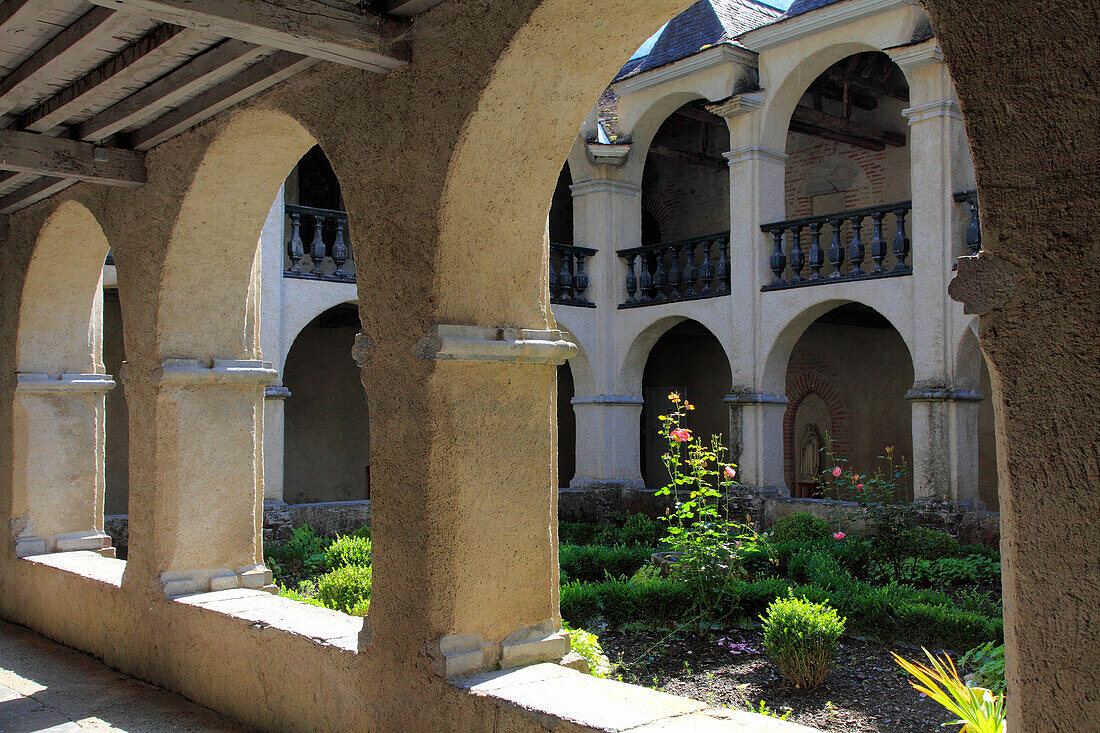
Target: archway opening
x=567 y=427
x=690 y=360
x=846 y=380
x=326 y=452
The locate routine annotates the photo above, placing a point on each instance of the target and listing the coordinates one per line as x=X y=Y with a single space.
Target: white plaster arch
x=630 y=370
x=61 y=311
x=778 y=354
x=641 y=121
x=210 y=254
x=313 y=299
x=968 y=359
x=584 y=375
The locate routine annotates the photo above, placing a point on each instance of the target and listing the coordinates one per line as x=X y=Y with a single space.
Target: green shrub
x=988 y=663
x=577 y=533
x=362 y=532
x=588 y=646
x=298 y=595
x=302 y=555
x=927 y=544
x=945 y=626
x=348 y=550
x=635 y=530
x=657 y=601
x=801 y=638
x=594 y=563
x=580 y=603
x=800 y=527
x=346 y=589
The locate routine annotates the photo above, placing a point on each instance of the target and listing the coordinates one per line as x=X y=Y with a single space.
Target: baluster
x=855 y=251
x=817 y=255
x=836 y=249
x=974 y=230
x=647 y=279
x=554 y=292
x=580 y=282
x=723 y=265
x=631 y=279
x=565 y=278
x=707 y=269
x=901 y=241
x=778 y=260
x=691 y=274
x=660 y=277
x=798 y=258
x=878 y=246
x=340 y=249
x=317 y=246
x=294 y=248
x=674 y=273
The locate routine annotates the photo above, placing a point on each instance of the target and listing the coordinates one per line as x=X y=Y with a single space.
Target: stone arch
x=803 y=388
x=60 y=327
x=211 y=253
x=297 y=318
x=584 y=375
x=630 y=369
x=646 y=123
x=972 y=372
x=778 y=354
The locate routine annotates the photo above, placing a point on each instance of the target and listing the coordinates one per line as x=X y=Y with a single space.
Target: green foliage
x=800 y=527
x=596 y=562
x=580 y=603
x=988 y=663
x=348 y=550
x=619 y=602
x=635 y=530
x=801 y=638
x=299 y=595
x=942 y=571
x=927 y=543
x=977 y=710
x=577 y=533
x=362 y=532
x=588 y=646
x=301 y=556
x=763 y=709
x=347 y=589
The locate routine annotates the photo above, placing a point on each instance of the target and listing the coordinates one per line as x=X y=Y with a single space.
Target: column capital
x=942 y=393
x=44 y=383
x=755 y=152
x=917 y=55
x=276 y=392
x=447 y=342
x=607 y=153
x=604 y=185
x=607 y=399
x=178 y=372
x=933 y=110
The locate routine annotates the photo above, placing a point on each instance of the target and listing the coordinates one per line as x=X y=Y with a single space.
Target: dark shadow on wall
x=567 y=427
x=326 y=448
x=117 y=444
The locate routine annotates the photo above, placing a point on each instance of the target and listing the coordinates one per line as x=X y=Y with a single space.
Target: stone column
x=606 y=217
x=757 y=403
x=206 y=521
x=939 y=166
x=608 y=455
x=945 y=424
x=272 y=246
x=58 y=475
x=275 y=396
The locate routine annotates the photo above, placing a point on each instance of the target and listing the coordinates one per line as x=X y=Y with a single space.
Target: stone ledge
x=565 y=700
x=86 y=564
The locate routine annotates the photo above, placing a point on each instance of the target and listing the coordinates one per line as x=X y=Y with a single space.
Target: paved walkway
x=49 y=688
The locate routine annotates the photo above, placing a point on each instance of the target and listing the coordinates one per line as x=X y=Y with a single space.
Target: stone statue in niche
x=809 y=455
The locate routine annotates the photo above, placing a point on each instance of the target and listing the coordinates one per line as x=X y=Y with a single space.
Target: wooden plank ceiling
x=86 y=86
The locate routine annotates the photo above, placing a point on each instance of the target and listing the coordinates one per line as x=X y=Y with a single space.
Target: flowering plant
x=708 y=546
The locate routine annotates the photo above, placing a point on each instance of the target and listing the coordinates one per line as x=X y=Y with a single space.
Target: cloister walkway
x=49 y=688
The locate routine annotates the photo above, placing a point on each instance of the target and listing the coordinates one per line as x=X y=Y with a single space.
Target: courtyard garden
x=808 y=621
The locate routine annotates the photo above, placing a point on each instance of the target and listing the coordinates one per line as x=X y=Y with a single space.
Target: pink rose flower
x=839 y=535
x=680 y=435
x=837 y=471
x=730 y=471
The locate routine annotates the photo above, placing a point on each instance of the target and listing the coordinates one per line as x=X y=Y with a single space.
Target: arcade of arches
x=458 y=357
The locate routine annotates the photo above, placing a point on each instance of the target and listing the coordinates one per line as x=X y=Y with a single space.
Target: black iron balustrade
x=317 y=247
x=686 y=269
x=568 y=277
x=974 y=227
x=836 y=247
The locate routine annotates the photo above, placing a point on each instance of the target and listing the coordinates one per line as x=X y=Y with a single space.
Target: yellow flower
x=689 y=406
x=674 y=396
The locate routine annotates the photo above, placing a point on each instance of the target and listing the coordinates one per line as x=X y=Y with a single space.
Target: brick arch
x=799 y=389
x=653 y=203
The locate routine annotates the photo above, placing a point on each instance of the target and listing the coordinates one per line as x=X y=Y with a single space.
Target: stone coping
x=84 y=563
x=567 y=700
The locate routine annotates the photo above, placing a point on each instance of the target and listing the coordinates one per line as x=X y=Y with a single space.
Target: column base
x=459 y=655
x=176 y=583
x=92 y=540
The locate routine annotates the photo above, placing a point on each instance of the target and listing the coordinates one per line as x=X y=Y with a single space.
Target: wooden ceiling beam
x=75 y=40
x=171 y=90
x=36 y=191
x=710 y=161
x=26 y=152
x=163 y=43
x=407 y=8
x=813 y=122
x=863 y=84
x=253 y=80
x=308 y=27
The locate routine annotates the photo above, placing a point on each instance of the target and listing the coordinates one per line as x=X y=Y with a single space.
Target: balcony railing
x=844 y=255
x=686 y=269
x=317 y=248
x=568 y=278
x=974 y=228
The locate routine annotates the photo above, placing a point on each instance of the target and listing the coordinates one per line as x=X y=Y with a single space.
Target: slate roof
x=706 y=23
x=798 y=7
